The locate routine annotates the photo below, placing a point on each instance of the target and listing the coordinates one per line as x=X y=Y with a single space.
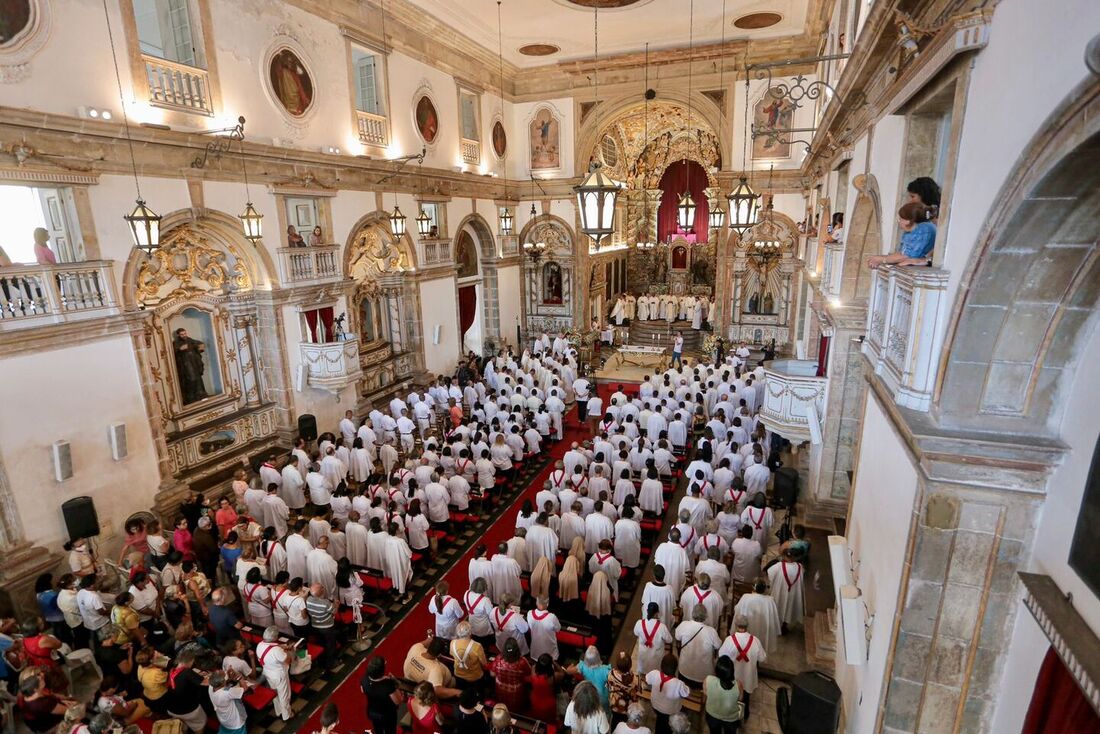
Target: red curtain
x=677 y=177
x=311 y=322
x=823 y=355
x=1057 y=705
x=326 y=317
x=467 y=309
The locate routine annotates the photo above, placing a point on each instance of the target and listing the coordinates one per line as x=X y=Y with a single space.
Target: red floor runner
x=413 y=628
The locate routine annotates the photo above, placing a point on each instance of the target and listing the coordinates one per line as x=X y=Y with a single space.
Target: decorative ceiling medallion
x=539 y=49
x=756 y=21
x=603 y=4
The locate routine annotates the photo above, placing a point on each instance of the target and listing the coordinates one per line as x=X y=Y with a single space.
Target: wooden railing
x=471 y=151
x=307 y=265
x=373 y=129
x=178 y=85
x=31 y=295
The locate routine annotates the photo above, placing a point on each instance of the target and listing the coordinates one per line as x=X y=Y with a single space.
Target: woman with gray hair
x=679 y=723
x=635 y=715
x=592 y=669
x=470 y=661
x=585 y=713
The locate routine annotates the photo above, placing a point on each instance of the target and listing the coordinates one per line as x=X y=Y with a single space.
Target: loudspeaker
x=116 y=435
x=307 y=426
x=62 y=460
x=81 y=519
x=814 y=706
x=785 y=487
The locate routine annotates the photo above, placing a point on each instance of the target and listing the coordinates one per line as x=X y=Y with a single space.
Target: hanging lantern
x=423 y=224
x=596 y=200
x=685 y=212
x=397 y=222
x=253 y=223
x=744 y=207
x=717 y=217
x=506 y=221
x=145 y=227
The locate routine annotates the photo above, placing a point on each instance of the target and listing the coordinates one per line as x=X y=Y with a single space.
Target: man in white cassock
x=397 y=561
x=674 y=559
x=356 y=537
x=746 y=652
x=517 y=548
x=506 y=573
x=598 y=527
x=482 y=568
x=275 y=511
x=698 y=643
x=572 y=525
x=297 y=549
x=544 y=626
x=712 y=566
x=628 y=540
x=293 y=481
x=269 y=474
x=761 y=616
x=700 y=594
x=542 y=542
x=697 y=314
x=785 y=580
x=322 y=567
x=347 y=427
x=618 y=313
x=376 y=548
x=643 y=308
x=659 y=593
x=332 y=468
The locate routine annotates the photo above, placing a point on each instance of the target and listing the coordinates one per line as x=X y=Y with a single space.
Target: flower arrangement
x=710 y=344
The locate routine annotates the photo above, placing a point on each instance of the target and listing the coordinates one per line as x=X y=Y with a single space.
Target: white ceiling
x=661 y=23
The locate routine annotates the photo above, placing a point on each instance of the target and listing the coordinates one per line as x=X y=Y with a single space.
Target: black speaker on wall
x=81 y=519
x=814 y=706
x=307 y=426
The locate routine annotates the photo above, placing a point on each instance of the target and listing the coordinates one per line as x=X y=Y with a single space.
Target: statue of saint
x=190 y=366
x=754 y=303
x=769 y=304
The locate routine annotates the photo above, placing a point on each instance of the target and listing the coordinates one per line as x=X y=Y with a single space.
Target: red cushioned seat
x=575 y=639
x=297 y=686
x=146 y=725
x=259 y=698
x=417 y=557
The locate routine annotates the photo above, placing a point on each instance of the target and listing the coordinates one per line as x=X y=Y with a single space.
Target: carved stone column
x=20 y=561
x=246 y=364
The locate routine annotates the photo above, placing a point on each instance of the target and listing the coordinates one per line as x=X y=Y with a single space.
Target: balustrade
x=309 y=265
x=48 y=294
x=471 y=152
x=178 y=85
x=905 y=330
x=373 y=129
x=332 y=365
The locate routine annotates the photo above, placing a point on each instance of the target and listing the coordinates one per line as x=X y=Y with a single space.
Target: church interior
x=545 y=366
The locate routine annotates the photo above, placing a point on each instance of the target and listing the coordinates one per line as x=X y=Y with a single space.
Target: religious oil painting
x=500 y=139
x=545 y=141
x=291 y=82
x=427 y=119
x=194 y=345
x=15 y=16
x=465 y=255
x=216 y=441
x=552 y=291
x=776 y=114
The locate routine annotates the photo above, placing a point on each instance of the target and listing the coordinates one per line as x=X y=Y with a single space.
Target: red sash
x=742 y=652
x=501 y=624
x=263 y=655
x=699 y=596
x=786 y=578
x=664 y=679
x=471 y=607
x=690 y=538
x=462 y=468
x=600 y=559
x=270 y=550
x=557 y=482
x=757 y=522
x=735 y=496
x=648 y=635
x=276 y=598
x=403 y=473
x=249 y=594
x=535 y=614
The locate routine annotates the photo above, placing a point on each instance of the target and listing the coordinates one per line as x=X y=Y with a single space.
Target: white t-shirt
x=624 y=728
x=228 y=707
x=666 y=695
x=597 y=724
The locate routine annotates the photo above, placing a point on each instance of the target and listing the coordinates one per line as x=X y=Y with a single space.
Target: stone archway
x=863 y=238
x=1027 y=299
x=477 y=229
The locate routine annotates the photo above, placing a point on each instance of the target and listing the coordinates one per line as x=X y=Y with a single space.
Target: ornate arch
x=484 y=236
x=862 y=238
x=554 y=231
x=372 y=253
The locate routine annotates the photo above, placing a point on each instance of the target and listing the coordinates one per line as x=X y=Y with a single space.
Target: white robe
x=710 y=600
x=542 y=542
x=746 y=559
x=297 y=548
x=763 y=617
x=322 y=570
x=661 y=596
x=544 y=628
x=376 y=550
x=509 y=624
x=785 y=581
x=357 y=537
x=397 y=562
x=628 y=542
x=506 y=572
x=482 y=568
x=653 y=635
x=675 y=561
x=597 y=527
x=291 y=489
x=699 y=643
x=361 y=465
x=745 y=662
x=275 y=514
x=697 y=315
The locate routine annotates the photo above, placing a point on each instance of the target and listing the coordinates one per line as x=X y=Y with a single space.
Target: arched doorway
x=468 y=280
x=678 y=177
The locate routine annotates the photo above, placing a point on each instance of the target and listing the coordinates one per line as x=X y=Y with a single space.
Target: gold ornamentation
x=188 y=265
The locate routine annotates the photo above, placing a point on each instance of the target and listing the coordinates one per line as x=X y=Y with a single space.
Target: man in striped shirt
x=322 y=614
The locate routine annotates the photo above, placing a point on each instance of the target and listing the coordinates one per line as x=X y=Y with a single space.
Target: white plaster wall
x=881 y=508
x=519 y=154
x=348 y=207
x=1042 y=54
x=1054 y=534
x=439 y=306
x=886 y=166
x=510 y=294
x=75 y=394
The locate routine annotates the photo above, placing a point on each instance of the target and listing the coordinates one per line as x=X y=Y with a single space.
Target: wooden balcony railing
x=178 y=85
x=471 y=151
x=373 y=129
x=33 y=295
x=308 y=265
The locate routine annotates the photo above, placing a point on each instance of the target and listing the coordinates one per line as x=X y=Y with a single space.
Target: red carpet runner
x=413 y=628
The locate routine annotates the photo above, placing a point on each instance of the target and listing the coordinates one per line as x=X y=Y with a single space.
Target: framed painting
x=500 y=139
x=291 y=83
x=774 y=114
x=545 y=136
x=427 y=119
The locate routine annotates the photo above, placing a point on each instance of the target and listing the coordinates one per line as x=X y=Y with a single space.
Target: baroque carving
x=187 y=265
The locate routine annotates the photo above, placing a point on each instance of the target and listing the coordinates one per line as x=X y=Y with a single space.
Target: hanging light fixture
x=423 y=221
x=645 y=243
x=744 y=203
x=144 y=222
x=685 y=207
x=251 y=220
x=397 y=220
x=597 y=193
x=716 y=215
x=506 y=218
